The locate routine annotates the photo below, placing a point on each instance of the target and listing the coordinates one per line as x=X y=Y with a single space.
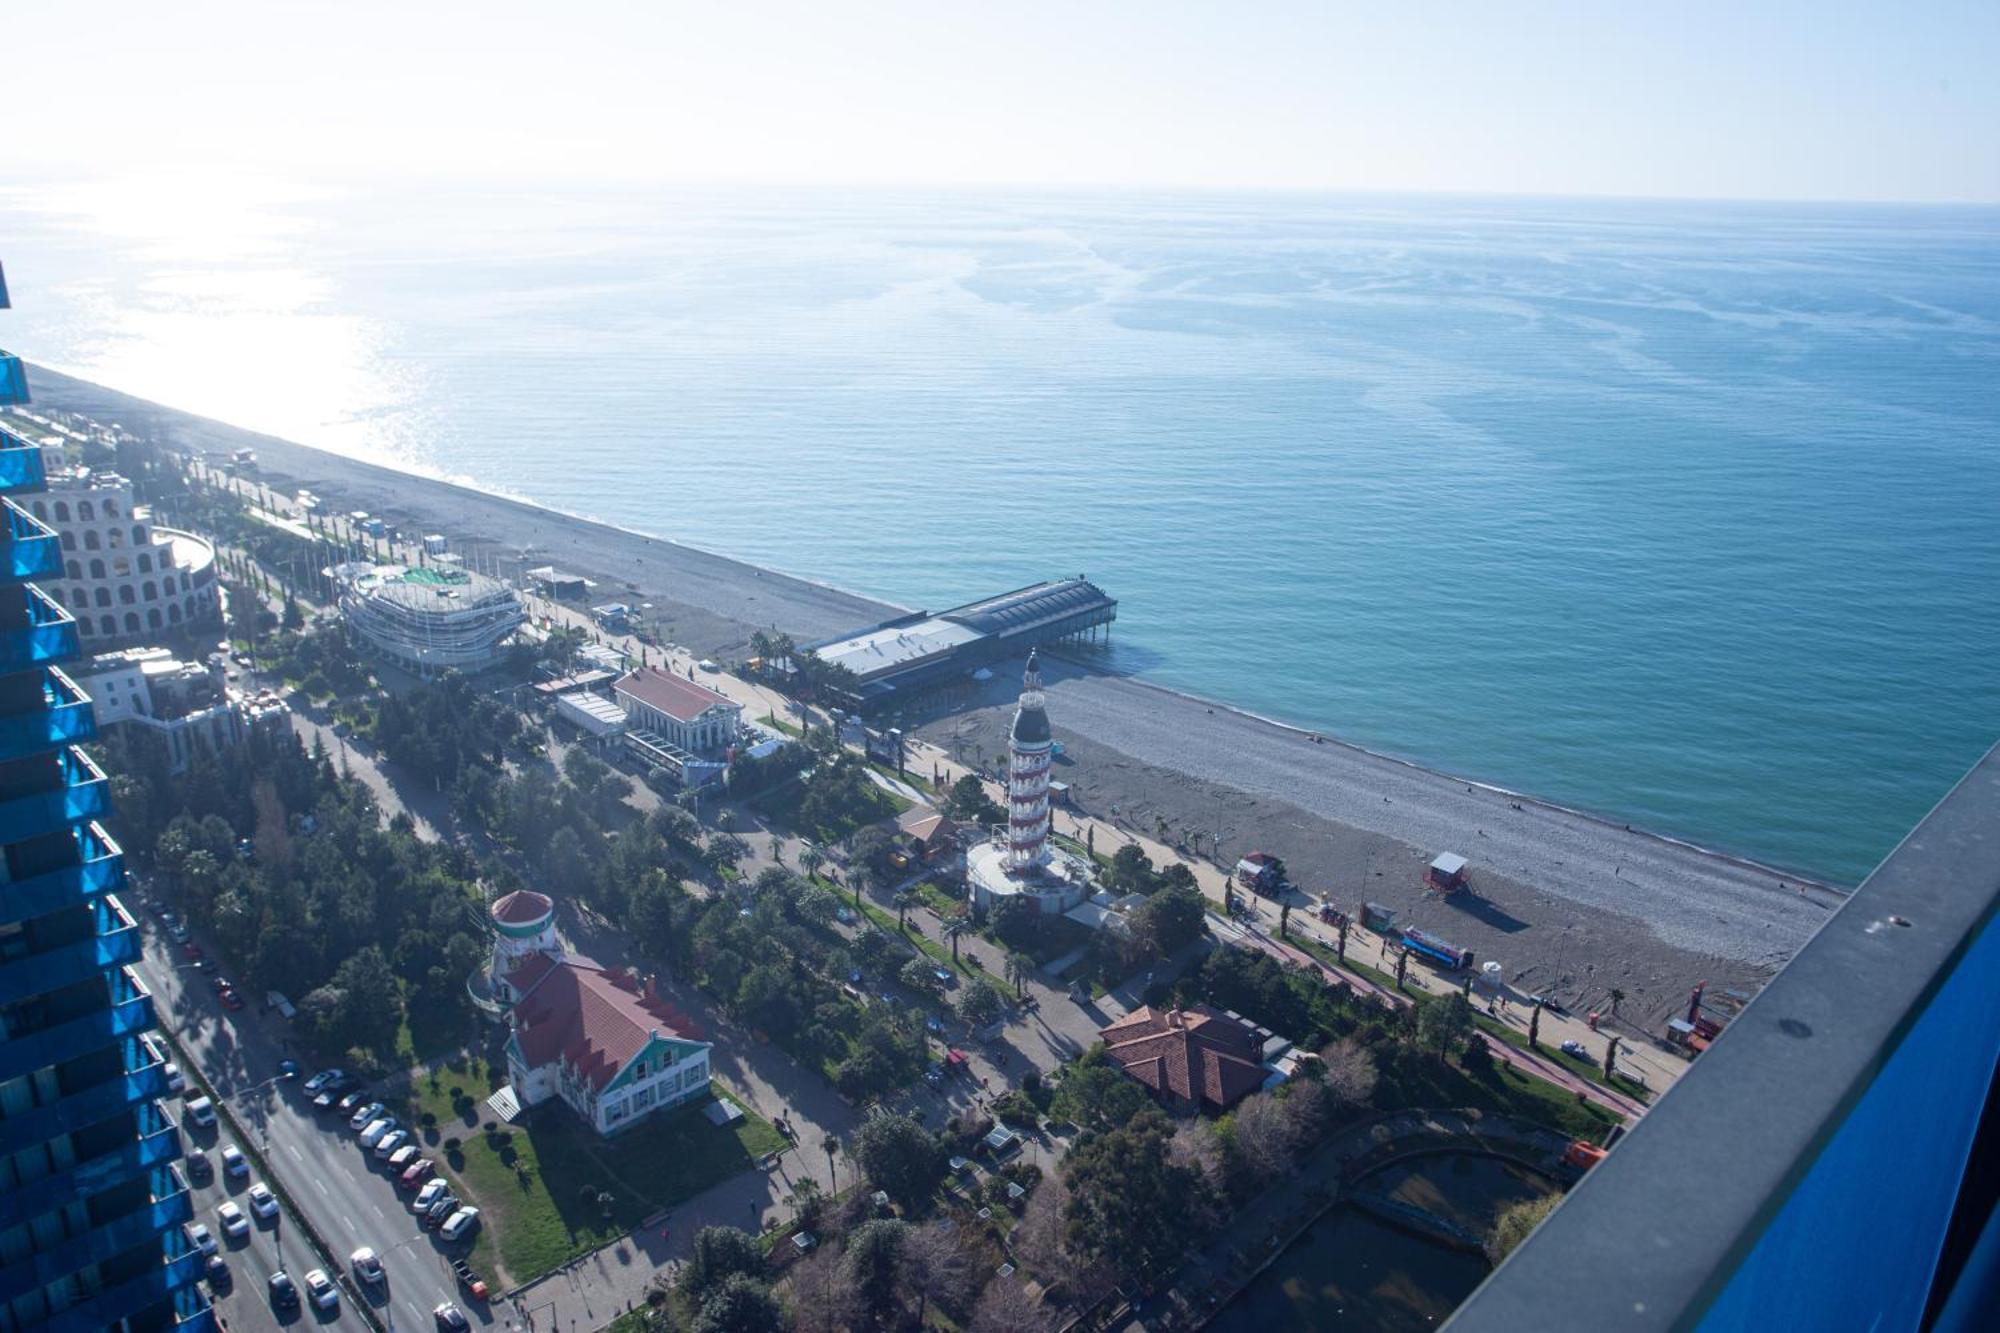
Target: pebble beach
x=1571 y=904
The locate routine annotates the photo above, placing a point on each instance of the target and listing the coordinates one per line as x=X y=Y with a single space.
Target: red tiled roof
x=522 y=906
x=682 y=700
x=925 y=824
x=596 y=1019
x=1197 y=1055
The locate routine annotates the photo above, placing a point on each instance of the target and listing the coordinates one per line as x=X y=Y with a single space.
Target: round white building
x=524 y=924
x=1022 y=862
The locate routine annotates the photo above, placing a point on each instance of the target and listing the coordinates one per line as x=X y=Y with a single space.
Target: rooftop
x=596 y=1019
x=679 y=698
x=522 y=906
x=1026 y=608
x=896 y=644
x=1197 y=1054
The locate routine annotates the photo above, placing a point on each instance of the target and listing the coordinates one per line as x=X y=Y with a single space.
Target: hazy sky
x=1720 y=98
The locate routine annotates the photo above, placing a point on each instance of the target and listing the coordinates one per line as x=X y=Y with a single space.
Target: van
x=277 y=1000
x=201 y=1112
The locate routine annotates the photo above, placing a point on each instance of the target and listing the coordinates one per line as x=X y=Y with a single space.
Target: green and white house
x=601 y=1039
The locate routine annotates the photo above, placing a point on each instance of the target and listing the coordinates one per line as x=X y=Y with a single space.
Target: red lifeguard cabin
x=1446 y=873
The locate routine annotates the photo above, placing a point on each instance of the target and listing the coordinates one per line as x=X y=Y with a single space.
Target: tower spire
x=1029 y=746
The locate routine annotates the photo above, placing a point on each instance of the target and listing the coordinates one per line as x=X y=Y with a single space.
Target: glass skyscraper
x=92 y=1205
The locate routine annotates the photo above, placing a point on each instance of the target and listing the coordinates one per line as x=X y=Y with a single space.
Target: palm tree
x=811 y=859
x=1617 y=998
x=1017 y=970
x=903 y=900
x=952 y=932
x=777 y=849
x=832 y=1145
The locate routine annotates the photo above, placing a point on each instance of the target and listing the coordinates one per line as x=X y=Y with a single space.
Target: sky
x=1773 y=99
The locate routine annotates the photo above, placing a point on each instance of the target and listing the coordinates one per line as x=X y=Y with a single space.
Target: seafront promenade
x=1573 y=905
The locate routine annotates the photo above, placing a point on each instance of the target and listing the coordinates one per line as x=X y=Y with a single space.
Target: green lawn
x=529 y=1180
x=1412 y=1079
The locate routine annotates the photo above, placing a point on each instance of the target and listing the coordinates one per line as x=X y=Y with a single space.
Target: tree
x=831 y=1144
x=1515 y=1223
x=1096 y=1095
x=1006 y=1307
x=1402 y=966
x=1610 y=1058
x=1617 y=998
x=1444 y=1024
x=767 y=1000
x=903 y=900
x=1019 y=968
x=900 y=1157
x=936 y=1267
x=870 y=1265
x=372 y=1003
x=970 y=803
x=1534 y=1027
x=981 y=1003
x=920 y=974
x=1129 y=1201
x=1170 y=920
x=1131 y=870
x=720 y=1253
x=740 y=1305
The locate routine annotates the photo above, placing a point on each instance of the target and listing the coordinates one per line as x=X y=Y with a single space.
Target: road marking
x=319 y=1184
x=378 y=1211
x=293 y=1149
x=348 y=1221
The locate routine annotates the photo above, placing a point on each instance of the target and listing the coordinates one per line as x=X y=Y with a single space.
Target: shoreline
x=1659 y=912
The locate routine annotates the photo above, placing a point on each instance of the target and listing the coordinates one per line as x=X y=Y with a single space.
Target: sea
x=1685 y=513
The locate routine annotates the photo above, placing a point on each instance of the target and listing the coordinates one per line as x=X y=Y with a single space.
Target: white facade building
x=685 y=715
x=428 y=620
x=124 y=577
x=186 y=704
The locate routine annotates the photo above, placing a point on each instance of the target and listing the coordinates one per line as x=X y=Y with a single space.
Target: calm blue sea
x=1685 y=513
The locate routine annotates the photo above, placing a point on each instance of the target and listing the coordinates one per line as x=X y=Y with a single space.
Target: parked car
x=432 y=1191
x=231 y=1000
x=450 y=1319
x=284 y=1294
x=363 y=1116
x=386 y=1145
x=201 y=1111
x=320 y=1287
x=945 y=977
x=367 y=1266
x=191 y=951
x=235 y=1224
x=403 y=1156
x=201 y=1237
x=220 y=1279
x=460 y=1224
x=417 y=1172
x=263 y=1202
x=1575 y=1050
x=288 y=1068
x=178 y=931
x=176 y=1081
x=200 y=1169
x=324 y=1079
x=474 y=1285
x=234 y=1163
x=376 y=1129
x=437 y=1213
x=350 y=1103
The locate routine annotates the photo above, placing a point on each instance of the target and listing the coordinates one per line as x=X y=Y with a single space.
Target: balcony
x=100 y=869
x=21 y=466
x=113 y=942
x=83 y=794
x=29 y=548
x=130 y=1011
x=64 y=717
x=169 y=1206
x=158 y=1142
x=1832 y=1161
x=13 y=381
x=49 y=635
x=144 y=1079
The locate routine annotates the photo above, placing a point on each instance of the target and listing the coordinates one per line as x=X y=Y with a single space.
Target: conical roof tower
x=1028 y=751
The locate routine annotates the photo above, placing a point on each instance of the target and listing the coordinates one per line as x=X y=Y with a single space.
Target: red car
x=191 y=951
x=230 y=999
x=417 y=1172
x=217 y=980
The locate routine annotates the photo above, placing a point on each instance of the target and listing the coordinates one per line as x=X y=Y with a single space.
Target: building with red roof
x=686 y=715
x=602 y=1040
x=1195 y=1059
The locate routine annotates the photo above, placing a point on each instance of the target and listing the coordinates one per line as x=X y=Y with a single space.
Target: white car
x=324 y=1077
x=234 y=1163
x=402 y=1156
x=320 y=1287
x=203 y=1238
x=361 y=1118
x=432 y=1191
x=234 y=1224
x=391 y=1141
x=176 y=1081
x=201 y=1111
x=376 y=1129
x=367 y=1265
x=459 y=1224
x=263 y=1202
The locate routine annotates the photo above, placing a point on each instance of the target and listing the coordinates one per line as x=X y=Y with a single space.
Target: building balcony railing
x=113 y=942
x=154 y=1288
x=99 y=869
x=130 y=1011
x=84 y=794
x=144 y=1079
x=49 y=636
x=168 y=1208
x=64 y=717
x=13 y=381
x=158 y=1141
x=1832 y=1161
x=21 y=467
x=29 y=548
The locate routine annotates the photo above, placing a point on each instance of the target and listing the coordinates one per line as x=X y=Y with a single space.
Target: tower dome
x=522 y=914
x=524 y=924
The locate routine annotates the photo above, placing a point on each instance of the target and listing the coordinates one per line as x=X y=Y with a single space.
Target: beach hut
x=1447 y=873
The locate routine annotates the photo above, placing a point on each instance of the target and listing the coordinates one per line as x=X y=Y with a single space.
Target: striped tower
x=1028 y=750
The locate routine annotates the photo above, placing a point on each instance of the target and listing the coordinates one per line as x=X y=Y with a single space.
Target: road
x=347 y=1197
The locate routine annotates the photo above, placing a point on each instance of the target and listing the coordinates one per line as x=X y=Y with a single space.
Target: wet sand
x=1570 y=904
